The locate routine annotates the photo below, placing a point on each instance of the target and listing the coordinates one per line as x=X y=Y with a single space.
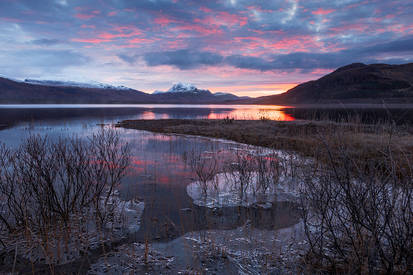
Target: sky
x=245 y=47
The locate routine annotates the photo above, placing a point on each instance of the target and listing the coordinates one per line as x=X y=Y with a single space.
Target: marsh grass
x=361 y=140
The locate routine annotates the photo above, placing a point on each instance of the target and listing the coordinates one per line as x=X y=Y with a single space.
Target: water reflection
x=159 y=175
x=253 y=114
x=14 y=114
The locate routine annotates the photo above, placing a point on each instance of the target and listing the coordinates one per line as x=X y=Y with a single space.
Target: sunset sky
x=241 y=46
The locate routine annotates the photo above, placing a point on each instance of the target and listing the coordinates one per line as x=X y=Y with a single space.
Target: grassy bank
x=361 y=141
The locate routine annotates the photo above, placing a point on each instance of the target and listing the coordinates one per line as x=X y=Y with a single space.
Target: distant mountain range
x=60 y=92
x=74 y=84
x=181 y=91
x=355 y=83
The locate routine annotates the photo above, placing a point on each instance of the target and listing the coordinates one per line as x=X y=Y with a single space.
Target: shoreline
x=251 y=132
x=301 y=136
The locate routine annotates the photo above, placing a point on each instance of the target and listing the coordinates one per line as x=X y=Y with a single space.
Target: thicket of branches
x=254 y=172
x=45 y=184
x=358 y=211
x=356 y=195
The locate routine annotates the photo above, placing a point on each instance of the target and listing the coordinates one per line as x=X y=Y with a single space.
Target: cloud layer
x=149 y=44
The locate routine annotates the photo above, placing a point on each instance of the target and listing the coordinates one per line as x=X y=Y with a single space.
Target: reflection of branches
x=112 y=159
x=268 y=171
x=240 y=172
x=205 y=167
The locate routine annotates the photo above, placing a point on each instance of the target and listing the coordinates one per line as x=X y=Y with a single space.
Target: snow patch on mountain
x=192 y=89
x=58 y=83
x=182 y=88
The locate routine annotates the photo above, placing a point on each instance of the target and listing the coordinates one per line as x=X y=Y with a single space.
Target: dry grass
x=361 y=141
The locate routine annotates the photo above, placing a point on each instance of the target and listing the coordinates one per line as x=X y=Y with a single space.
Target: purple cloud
x=175 y=39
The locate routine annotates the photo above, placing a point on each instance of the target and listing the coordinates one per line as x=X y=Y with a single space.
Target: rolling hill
x=354 y=83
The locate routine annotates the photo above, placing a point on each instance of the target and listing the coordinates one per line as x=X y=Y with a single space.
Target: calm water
x=158 y=173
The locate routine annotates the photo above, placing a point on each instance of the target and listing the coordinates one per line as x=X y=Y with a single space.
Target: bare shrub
x=48 y=186
x=269 y=171
x=358 y=212
x=111 y=159
x=205 y=166
x=240 y=172
x=228 y=120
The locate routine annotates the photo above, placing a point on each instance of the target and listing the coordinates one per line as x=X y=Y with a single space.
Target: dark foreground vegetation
x=355 y=182
x=58 y=199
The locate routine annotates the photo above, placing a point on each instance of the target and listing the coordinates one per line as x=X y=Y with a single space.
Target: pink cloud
x=85 y=13
x=140 y=40
x=350 y=27
x=163 y=21
x=9 y=19
x=287 y=44
x=128 y=30
x=320 y=72
x=84 y=16
x=260 y=9
x=399 y=28
x=223 y=19
x=321 y=11
x=84 y=26
x=111 y=36
x=205 y=9
x=197 y=28
x=116 y=32
x=175 y=44
x=352 y=6
x=303 y=43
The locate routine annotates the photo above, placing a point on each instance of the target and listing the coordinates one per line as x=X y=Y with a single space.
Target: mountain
x=184 y=90
x=15 y=92
x=354 y=83
x=182 y=93
x=74 y=84
x=62 y=92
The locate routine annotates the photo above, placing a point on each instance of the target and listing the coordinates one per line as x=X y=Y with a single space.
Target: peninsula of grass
x=299 y=136
x=362 y=142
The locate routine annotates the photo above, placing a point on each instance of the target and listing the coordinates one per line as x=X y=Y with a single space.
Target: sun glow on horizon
x=256 y=90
